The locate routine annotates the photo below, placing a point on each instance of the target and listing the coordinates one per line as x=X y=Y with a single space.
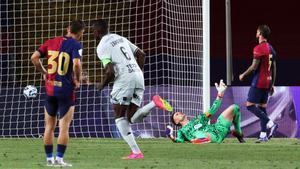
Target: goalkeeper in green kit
x=198 y=130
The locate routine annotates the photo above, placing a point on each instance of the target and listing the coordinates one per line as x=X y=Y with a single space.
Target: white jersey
x=120 y=51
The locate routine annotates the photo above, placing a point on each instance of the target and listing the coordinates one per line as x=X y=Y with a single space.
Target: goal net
x=170 y=32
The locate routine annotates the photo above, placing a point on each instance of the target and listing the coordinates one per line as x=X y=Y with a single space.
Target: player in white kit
x=123 y=63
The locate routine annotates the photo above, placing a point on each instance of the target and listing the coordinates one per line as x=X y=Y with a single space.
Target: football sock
x=261 y=115
x=237 y=119
x=60 y=151
x=263 y=109
x=262 y=134
x=263 y=124
x=141 y=113
x=126 y=132
x=49 y=152
x=270 y=124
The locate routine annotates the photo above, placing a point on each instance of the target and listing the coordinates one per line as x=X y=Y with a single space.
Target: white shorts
x=128 y=90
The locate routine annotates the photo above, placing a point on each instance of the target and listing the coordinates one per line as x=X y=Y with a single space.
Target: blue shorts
x=258 y=96
x=59 y=105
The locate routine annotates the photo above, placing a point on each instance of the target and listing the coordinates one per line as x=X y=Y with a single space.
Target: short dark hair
x=101 y=25
x=172 y=120
x=265 y=31
x=76 y=26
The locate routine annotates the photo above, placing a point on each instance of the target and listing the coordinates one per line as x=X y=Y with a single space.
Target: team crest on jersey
x=197 y=126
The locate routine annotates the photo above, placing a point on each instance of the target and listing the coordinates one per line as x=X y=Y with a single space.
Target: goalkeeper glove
x=169 y=131
x=221 y=87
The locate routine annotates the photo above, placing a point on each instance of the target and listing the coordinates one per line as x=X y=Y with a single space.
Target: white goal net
x=169 y=31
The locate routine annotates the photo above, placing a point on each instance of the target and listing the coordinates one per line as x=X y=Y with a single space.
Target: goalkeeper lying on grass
x=198 y=130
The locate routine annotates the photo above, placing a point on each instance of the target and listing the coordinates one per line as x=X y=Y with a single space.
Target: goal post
x=174 y=35
x=206 y=54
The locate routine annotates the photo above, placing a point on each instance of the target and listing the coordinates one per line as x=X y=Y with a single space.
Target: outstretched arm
x=214 y=108
x=221 y=87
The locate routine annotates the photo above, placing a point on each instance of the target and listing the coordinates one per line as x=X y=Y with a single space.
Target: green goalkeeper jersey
x=198 y=127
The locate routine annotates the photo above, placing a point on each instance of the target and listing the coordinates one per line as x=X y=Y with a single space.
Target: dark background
x=281 y=16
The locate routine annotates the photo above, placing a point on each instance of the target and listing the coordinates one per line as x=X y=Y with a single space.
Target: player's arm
x=252 y=67
x=77 y=69
x=221 y=87
x=273 y=77
x=214 y=108
x=140 y=58
x=109 y=75
x=104 y=54
x=138 y=54
x=274 y=73
x=35 y=59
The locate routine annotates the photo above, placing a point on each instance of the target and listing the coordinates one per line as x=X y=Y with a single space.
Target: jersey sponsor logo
x=54 y=83
x=197 y=126
x=131 y=68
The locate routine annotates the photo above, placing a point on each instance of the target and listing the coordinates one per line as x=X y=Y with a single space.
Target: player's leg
x=237 y=118
x=66 y=113
x=255 y=97
x=134 y=113
x=232 y=115
x=126 y=132
x=270 y=125
x=121 y=98
x=137 y=115
x=262 y=107
x=50 y=123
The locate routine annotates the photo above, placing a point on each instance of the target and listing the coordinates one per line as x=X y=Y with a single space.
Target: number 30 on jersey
x=60 y=67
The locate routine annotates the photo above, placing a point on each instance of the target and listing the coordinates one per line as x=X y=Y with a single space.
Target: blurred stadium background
x=170 y=32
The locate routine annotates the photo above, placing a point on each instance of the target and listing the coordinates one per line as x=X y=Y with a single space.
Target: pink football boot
x=133 y=156
x=161 y=103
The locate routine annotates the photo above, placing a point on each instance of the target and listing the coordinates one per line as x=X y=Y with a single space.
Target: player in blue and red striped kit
x=264 y=68
x=62 y=77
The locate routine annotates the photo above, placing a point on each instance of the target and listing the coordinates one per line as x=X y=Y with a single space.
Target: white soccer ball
x=30 y=92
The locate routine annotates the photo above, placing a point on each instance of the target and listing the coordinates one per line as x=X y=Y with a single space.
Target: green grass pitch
x=159 y=153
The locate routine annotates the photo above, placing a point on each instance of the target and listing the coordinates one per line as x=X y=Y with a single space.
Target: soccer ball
x=30 y=92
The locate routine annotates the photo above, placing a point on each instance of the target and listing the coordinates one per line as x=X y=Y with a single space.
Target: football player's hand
x=169 y=131
x=241 y=77
x=221 y=87
x=76 y=84
x=100 y=87
x=45 y=76
x=271 y=92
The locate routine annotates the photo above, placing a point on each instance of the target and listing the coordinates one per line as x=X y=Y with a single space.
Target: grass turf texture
x=159 y=153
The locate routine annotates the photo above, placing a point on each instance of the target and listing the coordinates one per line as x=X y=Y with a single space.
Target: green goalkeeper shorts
x=222 y=128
